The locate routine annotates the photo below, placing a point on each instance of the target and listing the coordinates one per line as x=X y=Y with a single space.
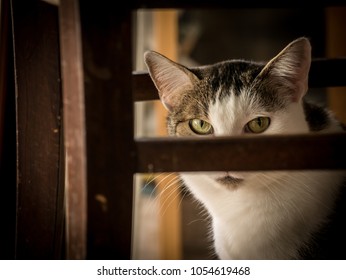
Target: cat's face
x=235 y=97
x=236 y=114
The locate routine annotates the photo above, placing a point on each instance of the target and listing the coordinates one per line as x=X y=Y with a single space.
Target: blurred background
x=168 y=223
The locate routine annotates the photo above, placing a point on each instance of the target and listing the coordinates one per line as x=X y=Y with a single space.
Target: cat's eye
x=200 y=127
x=257 y=125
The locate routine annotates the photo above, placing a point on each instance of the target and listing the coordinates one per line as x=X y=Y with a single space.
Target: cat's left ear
x=289 y=70
x=170 y=78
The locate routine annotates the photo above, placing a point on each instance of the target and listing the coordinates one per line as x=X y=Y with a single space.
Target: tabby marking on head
x=255 y=215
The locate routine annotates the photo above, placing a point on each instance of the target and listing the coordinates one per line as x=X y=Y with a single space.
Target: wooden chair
x=76 y=153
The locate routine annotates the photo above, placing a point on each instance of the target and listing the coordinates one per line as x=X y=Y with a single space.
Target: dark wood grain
x=38 y=101
x=107 y=56
x=7 y=137
x=4 y=38
x=207 y=4
x=74 y=129
x=143 y=87
x=290 y=152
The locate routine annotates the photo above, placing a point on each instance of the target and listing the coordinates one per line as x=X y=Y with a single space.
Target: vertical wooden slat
x=165 y=29
x=38 y=105
x=74 y=129
x=7 y=136
x=336 y=47
x=107 y=58
x=4 y=15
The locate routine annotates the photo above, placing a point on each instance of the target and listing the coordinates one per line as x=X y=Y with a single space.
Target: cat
x=257 y=215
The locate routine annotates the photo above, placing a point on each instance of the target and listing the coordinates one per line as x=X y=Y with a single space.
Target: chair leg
x=39 y=224
x=107 y=56
x=7 y=137
x=74 y=129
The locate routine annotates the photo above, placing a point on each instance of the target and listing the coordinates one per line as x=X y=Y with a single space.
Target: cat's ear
x=289 y=70
x=169 y=77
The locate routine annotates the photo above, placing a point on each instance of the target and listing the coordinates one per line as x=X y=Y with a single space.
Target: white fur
x=271 y=214
x=230 y=116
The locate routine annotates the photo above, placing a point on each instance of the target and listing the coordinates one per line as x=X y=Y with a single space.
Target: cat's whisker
x=153 y=177
x=165 y=185
x=164 y=207
x=181 y=186
x=160 y=187
x=149 y=180
x=157 y=180
x=162 y=179
x=169 y=185
x=195 y=221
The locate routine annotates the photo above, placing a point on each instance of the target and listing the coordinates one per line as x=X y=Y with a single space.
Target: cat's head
x=235 y=97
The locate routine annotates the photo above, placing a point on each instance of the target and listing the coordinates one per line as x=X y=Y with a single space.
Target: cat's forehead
x=227 y=71
x=228 y=76
x=235 y=79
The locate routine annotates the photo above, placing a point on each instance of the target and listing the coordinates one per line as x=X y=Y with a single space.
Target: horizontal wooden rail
x=320 y=76
x=184 y=4
x=289 y=152
x=143 y=88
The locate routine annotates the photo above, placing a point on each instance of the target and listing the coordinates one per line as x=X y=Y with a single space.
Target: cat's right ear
x=170 y=78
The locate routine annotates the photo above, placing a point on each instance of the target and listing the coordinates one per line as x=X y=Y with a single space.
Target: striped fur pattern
x=255 y=215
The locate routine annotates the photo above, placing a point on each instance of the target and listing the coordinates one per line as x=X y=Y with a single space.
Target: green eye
x=200 y=127
x=257 y=125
